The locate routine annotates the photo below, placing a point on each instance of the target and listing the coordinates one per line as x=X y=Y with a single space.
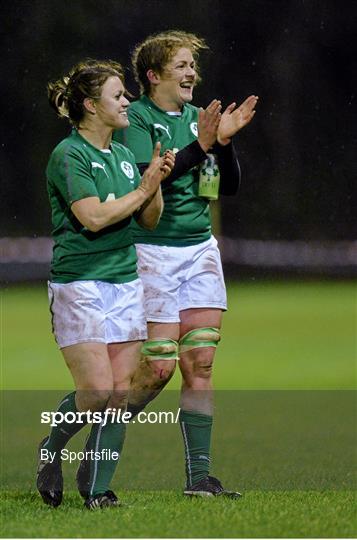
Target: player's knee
x=158 y=362
x=163 y=370
x=119 y=398
x=92 y=400
x=201 y=344
x=151 y=379
x=159 y=356
x=199 y=367
x=202 y=366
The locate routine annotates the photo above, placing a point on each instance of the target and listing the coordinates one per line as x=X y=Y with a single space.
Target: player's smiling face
x=112 y=106
x=176 y=83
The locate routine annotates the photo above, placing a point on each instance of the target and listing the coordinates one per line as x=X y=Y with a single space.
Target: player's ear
x=153 y=77
x=89 y=105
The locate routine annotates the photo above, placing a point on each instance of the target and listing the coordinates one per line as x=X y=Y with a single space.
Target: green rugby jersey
x=76 y=170
x=186 y=218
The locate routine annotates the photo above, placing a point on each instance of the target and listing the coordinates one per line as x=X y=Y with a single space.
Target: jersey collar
x=149 y=103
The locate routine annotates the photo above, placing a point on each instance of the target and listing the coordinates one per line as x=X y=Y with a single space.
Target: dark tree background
x=299 y=154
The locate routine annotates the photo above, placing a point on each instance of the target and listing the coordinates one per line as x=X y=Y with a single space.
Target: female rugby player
x=179 y=262
x=96 y=297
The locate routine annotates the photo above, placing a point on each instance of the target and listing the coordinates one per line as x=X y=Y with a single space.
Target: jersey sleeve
x=229 y=168
x=72 y=176
x=138 y=137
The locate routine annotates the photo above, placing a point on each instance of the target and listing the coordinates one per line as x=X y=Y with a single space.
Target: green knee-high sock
x=196 y=431
x=60 y=434
x=109 y=439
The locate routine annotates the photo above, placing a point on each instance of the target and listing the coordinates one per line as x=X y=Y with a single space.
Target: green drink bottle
x=208 y=185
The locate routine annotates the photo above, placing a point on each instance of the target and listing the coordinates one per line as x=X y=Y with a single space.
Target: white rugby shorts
x=97 y=312
x=178 y=278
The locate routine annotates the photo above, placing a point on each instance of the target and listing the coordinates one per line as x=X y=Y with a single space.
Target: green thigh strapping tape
x=201 y=337
x=160 y=349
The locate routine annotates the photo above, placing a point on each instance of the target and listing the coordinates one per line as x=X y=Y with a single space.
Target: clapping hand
x=208 y=122
x=234 y=119
x=168 y=163
x=158 y=169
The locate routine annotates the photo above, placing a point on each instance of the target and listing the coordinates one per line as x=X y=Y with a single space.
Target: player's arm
x=149 y=214
x=233 y=120
x=194 y=153
x=188 y=157
x=229 y=168
x=96 y=215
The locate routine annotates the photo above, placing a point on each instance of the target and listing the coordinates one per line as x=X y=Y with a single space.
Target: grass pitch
x=284 y=433
x=166 y=514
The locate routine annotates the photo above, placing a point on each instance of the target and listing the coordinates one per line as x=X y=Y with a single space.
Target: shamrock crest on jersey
x=193 y=127
x=127 y=169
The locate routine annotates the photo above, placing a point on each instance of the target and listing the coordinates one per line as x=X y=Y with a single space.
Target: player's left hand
x=233 y=119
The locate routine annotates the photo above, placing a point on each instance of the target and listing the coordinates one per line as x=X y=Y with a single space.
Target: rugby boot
x=102 y=500
x=210 y=487
x=49 y=479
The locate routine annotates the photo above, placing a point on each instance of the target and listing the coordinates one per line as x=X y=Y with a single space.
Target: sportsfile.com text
x=110 y=415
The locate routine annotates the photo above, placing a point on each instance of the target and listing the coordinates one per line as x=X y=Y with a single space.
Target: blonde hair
x=84 y=80
x=158 y=50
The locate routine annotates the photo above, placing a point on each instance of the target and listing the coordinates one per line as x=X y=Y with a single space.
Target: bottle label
x=208 y=185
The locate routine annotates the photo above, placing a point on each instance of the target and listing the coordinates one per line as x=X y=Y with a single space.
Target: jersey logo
x=193 y=127
x=127 y=169
x=96 y=165
x=166 y=129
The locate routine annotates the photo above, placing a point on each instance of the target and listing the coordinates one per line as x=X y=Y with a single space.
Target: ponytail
x=56 y=92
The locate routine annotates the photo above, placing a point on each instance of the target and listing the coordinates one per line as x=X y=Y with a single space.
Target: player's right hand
x=168 y=163
x=207 y=126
